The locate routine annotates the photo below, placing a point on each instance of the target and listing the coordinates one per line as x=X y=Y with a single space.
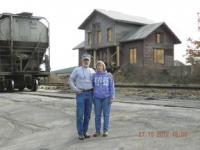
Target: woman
x=103 y=96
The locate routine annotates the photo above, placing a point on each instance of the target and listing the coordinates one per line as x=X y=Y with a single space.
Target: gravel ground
x=29 y=121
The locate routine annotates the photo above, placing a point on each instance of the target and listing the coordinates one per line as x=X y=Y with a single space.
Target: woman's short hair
x=101 y=62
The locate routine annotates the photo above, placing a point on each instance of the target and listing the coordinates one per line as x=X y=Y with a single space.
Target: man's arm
x=72 y=79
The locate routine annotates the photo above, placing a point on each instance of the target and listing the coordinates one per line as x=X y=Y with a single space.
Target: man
x=81 y=82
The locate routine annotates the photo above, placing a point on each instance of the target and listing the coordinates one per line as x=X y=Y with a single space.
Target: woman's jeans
x=83 y=111
x=102 y=105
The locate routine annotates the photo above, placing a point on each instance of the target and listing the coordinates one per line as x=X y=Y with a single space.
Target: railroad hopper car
x=24 y=47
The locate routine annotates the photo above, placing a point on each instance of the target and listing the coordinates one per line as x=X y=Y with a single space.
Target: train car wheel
x=34 y=85
x=11 y=85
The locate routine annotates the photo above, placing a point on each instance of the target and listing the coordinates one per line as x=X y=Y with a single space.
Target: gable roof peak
x=117 y=16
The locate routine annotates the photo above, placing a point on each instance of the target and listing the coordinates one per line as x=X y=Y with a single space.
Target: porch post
x=108 y=57
x=118 y=57
x=94 y=58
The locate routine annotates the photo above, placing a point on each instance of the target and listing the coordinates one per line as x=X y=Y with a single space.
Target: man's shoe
x=105 y=133
x=86 y=135
x=81 y=137
x=96 y=134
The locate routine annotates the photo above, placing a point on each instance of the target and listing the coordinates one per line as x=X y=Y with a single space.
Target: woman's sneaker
x=81 y=137
x=96 y=134
x=86 y=135
x=105 y=133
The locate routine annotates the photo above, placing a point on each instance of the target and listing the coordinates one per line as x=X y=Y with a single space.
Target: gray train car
x=24 y=47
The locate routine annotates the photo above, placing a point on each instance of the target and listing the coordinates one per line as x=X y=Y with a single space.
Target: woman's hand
x=111 y=101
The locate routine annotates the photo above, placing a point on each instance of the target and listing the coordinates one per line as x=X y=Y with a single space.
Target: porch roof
x=80 y=46
x=145 y=31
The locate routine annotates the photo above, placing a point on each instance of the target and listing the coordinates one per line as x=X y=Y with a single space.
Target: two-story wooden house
x=120 y=39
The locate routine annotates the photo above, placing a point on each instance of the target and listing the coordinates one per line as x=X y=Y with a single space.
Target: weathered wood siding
x=145 y=48
x=125 y=52
x=104 y=24
x=167 y=44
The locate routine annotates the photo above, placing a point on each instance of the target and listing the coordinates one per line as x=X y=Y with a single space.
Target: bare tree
x=193 y=51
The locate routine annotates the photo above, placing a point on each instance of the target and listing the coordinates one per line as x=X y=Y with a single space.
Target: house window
x=89 y=38
x=159 y=56
x=109 y=34
x=158 y=38
x=98 y=36
x=133 y=55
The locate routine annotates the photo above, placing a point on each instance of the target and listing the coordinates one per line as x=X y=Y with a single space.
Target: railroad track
x=72 y=96
x=122 y=85
x=173 y=86
x=52 y=84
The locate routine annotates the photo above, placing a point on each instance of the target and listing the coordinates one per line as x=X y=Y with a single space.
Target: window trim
x=155 y=59
x=98 y=36
x=133 y=58
x=109 y=37
x=89 y=34
x=158 y=38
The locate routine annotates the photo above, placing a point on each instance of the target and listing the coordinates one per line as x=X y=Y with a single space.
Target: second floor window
x=158 y=38
x=89 y=38
x=109 y=34
x=133 y=55
x=98 y=36
x=159 y=56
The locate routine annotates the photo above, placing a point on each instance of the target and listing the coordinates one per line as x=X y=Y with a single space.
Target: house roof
x=117 y=16
x=145 y=31
x=80 y=45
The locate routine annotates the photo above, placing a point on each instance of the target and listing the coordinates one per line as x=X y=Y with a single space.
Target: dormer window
x=109 y=34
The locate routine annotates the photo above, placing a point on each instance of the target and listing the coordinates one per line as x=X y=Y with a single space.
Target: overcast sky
x=66 y=15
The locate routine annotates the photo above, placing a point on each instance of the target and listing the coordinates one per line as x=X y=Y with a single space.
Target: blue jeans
x=83 y=111
x=102 y=105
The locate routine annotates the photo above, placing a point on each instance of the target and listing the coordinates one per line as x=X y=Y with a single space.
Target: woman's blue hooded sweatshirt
x=103 y=85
